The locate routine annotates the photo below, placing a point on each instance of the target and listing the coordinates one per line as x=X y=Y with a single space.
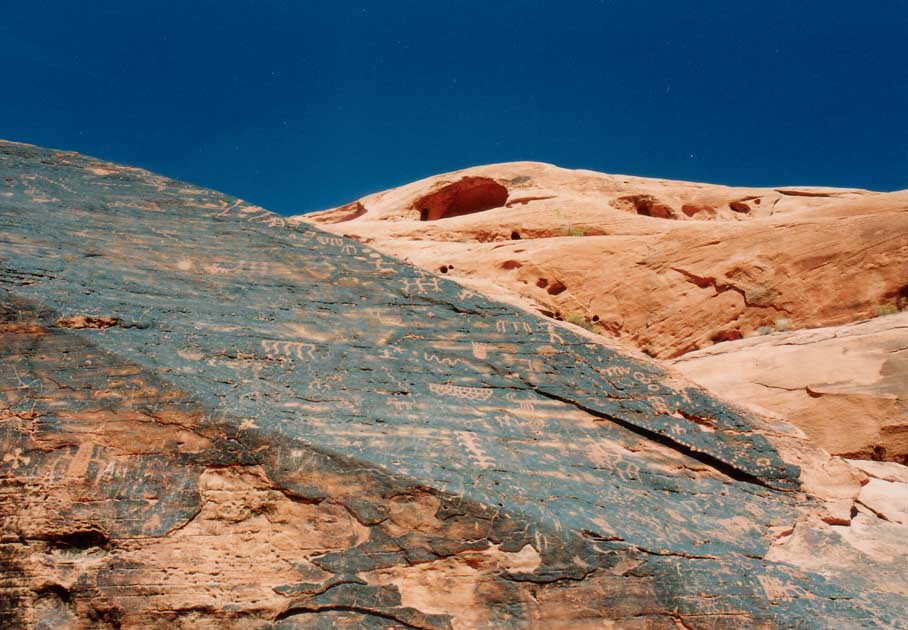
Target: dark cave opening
x=466 y=196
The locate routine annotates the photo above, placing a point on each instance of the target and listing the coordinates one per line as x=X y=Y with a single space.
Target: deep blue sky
x=305 y=105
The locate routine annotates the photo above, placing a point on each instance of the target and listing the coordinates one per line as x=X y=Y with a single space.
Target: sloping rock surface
x=845 y=386
x=666 y=266
x=678 y=269
x=212 y=419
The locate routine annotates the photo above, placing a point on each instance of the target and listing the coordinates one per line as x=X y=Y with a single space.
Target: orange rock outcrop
x=677 y=268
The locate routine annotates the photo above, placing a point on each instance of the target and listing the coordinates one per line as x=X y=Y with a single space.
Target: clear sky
x=306 y=105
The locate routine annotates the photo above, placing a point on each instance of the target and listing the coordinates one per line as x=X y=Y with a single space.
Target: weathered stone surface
x=672 y=267
x=665 y=266
x=212 y=419
x=845 y=386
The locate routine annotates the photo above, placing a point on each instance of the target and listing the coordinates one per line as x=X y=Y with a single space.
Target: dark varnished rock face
x=210 y=418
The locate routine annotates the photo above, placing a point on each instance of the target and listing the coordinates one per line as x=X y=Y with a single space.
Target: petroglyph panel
x=331 y=437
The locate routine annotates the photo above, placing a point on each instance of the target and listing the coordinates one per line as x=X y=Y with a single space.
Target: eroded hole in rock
x=645 y=205
x=443 y=269
x=515 y=236
x=542 y=283
x=556 y=287
x=106 y=617
x=79 y=540
x=878 y=454
x=692 y=209
x=739 y=206
x=54 y=591
x=466 y=196
x=726 y=335
x=511 y=264
x=901 y=297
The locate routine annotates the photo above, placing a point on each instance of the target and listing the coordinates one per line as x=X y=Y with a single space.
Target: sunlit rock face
x=212 y=418
x=680 y=270
x=845 y=386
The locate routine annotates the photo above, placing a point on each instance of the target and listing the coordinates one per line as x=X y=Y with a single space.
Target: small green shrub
x=765 y=330
x=885 y=309
x=579 y=320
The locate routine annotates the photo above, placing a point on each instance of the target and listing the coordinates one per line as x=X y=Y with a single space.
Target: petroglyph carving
x=505 y=326
x=270 y=219
x=525 y=404
x=554 y=338
x=641 y=378
x=431 y=357
x=16 y=459
x=259 y=215
x=531 y=365
x=244 y=267
x=289 y=349
x=325 y=383
x=422 y=285
x=658 y=404
x=379 y=316
x=467 y=393
x=379 y=264
x=381 y=269
x=507 y=421
x=626 y=469
x=477 y=455
x=775 y=589
x=228 y=210
x=678 y=429
x=346 y=247
x=111 y=471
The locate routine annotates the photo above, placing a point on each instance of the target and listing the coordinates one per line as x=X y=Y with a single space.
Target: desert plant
x=764 y=330
x=782 y=324
x=884 y=309
x=578 y=319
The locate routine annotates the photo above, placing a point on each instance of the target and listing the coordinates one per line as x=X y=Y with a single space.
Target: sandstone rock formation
x=666 y=266
x=673 y=267
x=845 y=386
x=211 y=418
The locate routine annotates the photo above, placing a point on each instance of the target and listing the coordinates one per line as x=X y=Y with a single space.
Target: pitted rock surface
x=211 y=418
